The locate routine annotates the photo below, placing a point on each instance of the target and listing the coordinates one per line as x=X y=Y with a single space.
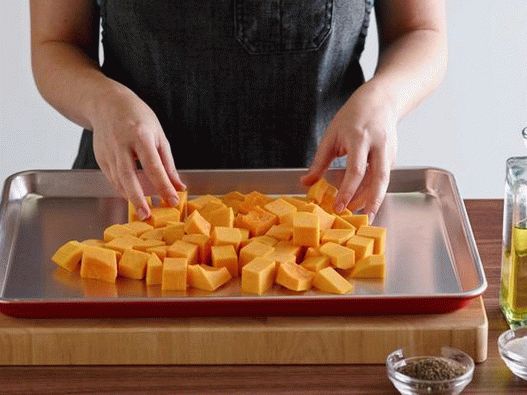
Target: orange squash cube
x=286 y=247
x=312 y=252
x=161 y=252
x=295 y=201
x=99 y=264
x=328 y=280
x=253 y=250
x=341 y=257
x=139 y=227
x=234 y=195
x=363 y=246
x=306 y=229
x=225 y=256
x=294 y=277
x=222 y=235
x=357 y=220
x=196 y=224
x=117 y=230
x=265 y=239
x=372 y=266
x=160 y=216
x=223 y=216
x=154 y=234
x=69 y=255
x=131 y=209
x=258 y=276
x=378 y=234
x=133 y=264
x=200 y=202
x=173 y=231
x=341 y=223
x=154 y=270
x=257 y=221
x=315 y=263
x=174 y=274
x=207 y=278
x=184 y=249
x=144 y=245
x=328 y=200
x=316 y=191
x=203 y=243
x=339 y=236
x=325 y=219
x=244 y=233
x=282 y=209
x=121 y=244
x=281 y=231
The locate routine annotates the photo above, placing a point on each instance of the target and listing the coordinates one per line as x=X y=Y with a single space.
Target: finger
x=356 y=165
x=155 y=171
x=323 y=157
x=127 y=172
x=168 y=162
x=380 y=178
x=358 y=202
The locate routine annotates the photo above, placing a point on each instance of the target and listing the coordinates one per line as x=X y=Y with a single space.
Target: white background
x=469 y=126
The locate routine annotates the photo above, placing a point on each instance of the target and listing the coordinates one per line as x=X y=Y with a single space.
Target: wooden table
x=490 y=377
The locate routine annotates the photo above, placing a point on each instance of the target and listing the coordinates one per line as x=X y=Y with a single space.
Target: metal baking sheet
x=432 y=260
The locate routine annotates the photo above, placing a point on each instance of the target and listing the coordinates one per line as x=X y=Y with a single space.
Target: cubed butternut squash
x=257 y=221
x=184 y=249
x=207 y=278
x=316 y=191
x=133 y=264
x=253 y=250
x=341 y=257
x=306 y=229
x=258 y=276
x=281 y=231
x=363 y=246
x=328 y=280
x=372 y=266
x=222 y=235
x=294 y=277
x=69 y=255
x=160 y=216
x=99 y=264
x=339 y=236
x=282 y=209
x=357 y=220
x=139 y=227
x=117 y=230
x=174 y=274
x=225 y=256
x=173 y=231
x=203 y=242
x=154 y=270
x=195 y=223
x=315 y=263
x=378 y=234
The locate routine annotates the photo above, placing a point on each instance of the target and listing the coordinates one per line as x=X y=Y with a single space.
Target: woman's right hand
x=125 y=129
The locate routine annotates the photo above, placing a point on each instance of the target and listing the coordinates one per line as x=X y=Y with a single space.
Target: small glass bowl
x=407 y=385
x=515 y=362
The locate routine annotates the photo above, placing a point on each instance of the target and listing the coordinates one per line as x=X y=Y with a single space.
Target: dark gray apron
x=235 y=83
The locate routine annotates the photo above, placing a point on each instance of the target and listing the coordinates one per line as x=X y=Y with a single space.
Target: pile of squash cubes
x=295 y=242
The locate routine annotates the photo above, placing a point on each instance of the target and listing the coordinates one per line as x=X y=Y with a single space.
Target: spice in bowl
x=432 y=368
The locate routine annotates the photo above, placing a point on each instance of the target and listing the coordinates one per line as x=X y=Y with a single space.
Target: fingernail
x=339 y=207
x=142 y=214
x=173 y=201
x=371 y=217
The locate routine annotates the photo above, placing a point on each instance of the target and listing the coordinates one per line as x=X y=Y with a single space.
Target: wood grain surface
x=491 y=376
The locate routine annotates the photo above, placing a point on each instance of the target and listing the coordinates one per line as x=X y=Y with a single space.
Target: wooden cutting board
x=239 y=340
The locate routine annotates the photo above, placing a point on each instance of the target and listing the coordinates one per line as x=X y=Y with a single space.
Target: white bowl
x=509 y=352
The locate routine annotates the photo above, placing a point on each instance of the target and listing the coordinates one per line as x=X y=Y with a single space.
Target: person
x=237 y=84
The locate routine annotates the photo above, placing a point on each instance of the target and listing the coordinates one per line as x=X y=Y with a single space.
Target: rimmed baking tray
x=433 y=265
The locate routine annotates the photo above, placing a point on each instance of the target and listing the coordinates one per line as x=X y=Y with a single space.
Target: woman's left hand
x=364 y=129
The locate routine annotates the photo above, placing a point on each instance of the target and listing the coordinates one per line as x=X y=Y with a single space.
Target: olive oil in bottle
x=513 y=290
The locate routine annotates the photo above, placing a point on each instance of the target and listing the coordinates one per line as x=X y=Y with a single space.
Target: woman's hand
x=364 y=129
x=126 y=129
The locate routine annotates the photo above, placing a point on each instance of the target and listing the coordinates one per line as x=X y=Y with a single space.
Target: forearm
x=71 y=81
x=410 y=68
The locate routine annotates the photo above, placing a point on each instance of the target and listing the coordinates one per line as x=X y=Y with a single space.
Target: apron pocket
x=277 y=26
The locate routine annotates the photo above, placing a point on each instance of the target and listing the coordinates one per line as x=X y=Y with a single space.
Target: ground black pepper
x=432 y=368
